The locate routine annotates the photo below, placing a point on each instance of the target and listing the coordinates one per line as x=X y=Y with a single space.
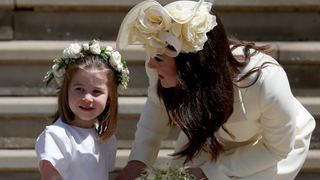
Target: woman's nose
x=152 y=64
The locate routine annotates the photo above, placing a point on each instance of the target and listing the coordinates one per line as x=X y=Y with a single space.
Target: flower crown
x=182 y=25
x=75 y=51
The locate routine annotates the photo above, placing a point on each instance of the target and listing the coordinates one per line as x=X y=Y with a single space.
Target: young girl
x=80 y=144
x=231 y=100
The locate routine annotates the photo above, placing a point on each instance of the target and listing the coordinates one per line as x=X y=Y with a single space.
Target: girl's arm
x=48 y=172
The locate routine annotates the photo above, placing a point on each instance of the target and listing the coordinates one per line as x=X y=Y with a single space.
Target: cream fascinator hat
x=180 y=26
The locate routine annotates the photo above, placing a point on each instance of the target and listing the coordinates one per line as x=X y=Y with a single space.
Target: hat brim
x=123 y=38
x=127 y=23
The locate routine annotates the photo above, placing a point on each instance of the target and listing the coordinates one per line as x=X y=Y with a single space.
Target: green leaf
x=49 y=80
x=103 y=49
x=104 y=56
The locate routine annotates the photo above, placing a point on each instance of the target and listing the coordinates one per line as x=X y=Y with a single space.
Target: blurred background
x=34 y=32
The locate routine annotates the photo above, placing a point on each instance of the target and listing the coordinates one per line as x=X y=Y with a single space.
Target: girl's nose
x=88 y=98
x=152 y=64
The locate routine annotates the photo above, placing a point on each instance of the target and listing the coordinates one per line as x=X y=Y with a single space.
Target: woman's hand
x=197 y=172
x=132 y=170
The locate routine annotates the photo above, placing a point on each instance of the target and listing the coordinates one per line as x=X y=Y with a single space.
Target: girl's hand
x=48 y=172
x=197 y=172
x=132 y=170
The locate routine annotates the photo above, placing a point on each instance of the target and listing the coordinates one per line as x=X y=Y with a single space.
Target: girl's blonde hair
x=107 y=120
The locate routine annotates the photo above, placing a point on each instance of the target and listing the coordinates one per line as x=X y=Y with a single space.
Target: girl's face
x=88 y=96
x=166 y=68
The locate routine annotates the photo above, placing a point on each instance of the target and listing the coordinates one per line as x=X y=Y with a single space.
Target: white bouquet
x=163 y=171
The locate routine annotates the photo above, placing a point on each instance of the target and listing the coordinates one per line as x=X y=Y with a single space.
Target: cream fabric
x=75 y=152
x=272 y=129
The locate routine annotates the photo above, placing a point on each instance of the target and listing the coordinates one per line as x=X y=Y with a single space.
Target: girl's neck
x=84 y=124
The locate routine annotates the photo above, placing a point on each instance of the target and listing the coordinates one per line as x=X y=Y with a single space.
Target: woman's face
x=166 y=68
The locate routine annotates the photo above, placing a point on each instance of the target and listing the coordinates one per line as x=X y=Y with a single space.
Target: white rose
x=124 y=73
x=95 y=49
x=85 y=47
x=57 y=72
x=115 y=59
x=73 y=51
x=120 y=67
x=109 y=48
x=59 y=80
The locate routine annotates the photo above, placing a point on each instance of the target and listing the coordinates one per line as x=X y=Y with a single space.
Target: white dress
x=76 y=153
x=272 y=129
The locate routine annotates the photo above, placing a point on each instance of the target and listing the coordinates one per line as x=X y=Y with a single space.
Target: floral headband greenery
x=181 y=24
x=75 y=51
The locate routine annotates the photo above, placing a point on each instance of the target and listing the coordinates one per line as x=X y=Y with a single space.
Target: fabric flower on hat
x=194 y=31
x=180 y=25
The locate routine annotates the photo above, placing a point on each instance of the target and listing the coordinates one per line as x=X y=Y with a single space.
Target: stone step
x=84 y=25
x=75 y=19
x=22 y=161
x=238 y=5
x=22 y=119
x=7 y=4
x=24 y=64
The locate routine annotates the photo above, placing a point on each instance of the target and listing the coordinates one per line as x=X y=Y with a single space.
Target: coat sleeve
x=278 y=123
x=152 y=127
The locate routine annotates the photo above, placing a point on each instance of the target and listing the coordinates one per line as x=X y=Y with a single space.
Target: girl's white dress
x=76 y=152
x=272 y=129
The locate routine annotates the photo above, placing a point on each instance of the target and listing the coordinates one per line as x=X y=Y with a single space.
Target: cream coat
x=272 y=129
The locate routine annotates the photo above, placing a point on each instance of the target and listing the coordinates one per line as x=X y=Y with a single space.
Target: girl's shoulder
x=58 y=130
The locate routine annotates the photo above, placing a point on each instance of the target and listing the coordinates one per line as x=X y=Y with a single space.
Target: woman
x=231 y=100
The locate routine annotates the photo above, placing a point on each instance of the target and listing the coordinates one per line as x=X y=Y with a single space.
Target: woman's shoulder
x=257 y=59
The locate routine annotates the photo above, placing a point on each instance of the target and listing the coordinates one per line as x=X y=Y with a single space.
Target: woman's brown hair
x=202 y=101
x=107 y=120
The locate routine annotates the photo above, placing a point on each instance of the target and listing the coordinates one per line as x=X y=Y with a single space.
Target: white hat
x=180 y=24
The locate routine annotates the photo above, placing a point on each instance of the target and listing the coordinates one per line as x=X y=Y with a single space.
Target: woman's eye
x=158 y=59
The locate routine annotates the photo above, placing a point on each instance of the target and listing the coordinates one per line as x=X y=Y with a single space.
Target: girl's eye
x=97 y=91
x=79 y=89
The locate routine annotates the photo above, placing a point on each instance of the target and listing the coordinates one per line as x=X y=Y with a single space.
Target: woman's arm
x=278 y=123
x=152 y=128
x=48 y=172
